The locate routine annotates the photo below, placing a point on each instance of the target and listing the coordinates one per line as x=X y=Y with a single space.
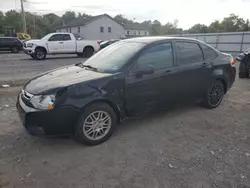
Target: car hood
x=60 y=78
x=33 y=41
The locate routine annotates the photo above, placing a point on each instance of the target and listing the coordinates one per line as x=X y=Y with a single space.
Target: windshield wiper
x=87 y=66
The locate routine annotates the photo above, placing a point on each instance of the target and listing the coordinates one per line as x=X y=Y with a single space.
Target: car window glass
x=66 y=37
x=208 y=52
x=159 y=56
x=56 y=37
x=6 y=40
x=188 y=53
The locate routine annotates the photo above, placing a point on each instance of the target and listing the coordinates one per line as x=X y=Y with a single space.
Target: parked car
x=12 y=44
x=60 y=43
x=129 y=78
x=244 y=60
x=107 y=43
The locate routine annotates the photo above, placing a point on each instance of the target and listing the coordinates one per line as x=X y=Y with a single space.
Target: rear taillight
x=233 y=62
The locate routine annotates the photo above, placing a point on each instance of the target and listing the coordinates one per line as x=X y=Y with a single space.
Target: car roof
x=148 y=40
x=8 y=37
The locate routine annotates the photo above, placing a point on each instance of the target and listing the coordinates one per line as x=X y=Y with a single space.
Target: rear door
x=69 y=44
x=192 y=71
x=55 y=43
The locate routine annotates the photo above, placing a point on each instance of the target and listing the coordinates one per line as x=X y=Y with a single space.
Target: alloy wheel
x=40 y=55
x=216 y=94
x=97 y=125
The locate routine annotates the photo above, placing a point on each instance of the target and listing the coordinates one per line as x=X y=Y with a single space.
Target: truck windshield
x=112 y=58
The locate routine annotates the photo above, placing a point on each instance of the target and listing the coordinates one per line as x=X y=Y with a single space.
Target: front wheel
x=40 y=54
x=96 y=124
x=214 y=95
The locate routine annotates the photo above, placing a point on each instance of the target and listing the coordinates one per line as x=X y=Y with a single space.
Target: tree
x=68 y=16
x=198 y=28
x=156 y=28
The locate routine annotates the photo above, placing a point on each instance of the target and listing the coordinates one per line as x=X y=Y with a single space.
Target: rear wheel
x=15 y=49
x=88 y=52
x=243 y=74
x=214 y=95
x=96 y=124
x=243 y=71
x=40 y=54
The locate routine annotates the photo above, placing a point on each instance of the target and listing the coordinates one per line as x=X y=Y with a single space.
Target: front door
x=150 y=91
x=55 y=44
x=69 y=44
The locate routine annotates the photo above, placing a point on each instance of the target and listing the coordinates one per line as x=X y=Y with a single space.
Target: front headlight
x=30 y=45
x=43 y=102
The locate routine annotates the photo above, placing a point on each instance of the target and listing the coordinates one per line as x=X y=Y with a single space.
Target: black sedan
x=10 y=44
x=127 y=79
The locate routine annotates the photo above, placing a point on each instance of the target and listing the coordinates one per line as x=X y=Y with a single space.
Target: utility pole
x=23 y=17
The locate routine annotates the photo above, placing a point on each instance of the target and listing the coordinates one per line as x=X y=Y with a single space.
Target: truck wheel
x=40 y=54
x=15 y=49
x=88 y=52
x=96 y=124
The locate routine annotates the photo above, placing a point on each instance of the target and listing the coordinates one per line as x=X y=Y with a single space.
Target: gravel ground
x=186 y=147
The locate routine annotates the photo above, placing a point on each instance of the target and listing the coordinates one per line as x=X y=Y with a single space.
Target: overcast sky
x=188 y=12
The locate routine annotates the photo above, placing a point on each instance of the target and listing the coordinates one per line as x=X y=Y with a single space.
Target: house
x=135 y=30
x=102 y=27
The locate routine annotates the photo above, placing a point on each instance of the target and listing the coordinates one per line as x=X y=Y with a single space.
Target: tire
x=90 y=130
x=243 y=74
x=214 y=95
x=88 y=52
x=15 y=49
x=40 y=54
x=243 y=71
x=33 y=56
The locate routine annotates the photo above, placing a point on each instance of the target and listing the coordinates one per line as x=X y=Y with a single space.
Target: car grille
x=26 y=97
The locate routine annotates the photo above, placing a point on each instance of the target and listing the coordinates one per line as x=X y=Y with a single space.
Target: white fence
x=226 y=42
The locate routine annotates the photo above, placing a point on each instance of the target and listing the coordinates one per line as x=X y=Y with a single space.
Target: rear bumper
x=232 y=77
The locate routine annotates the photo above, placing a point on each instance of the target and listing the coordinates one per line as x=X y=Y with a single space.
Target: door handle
x=168 y=71
x=60 y=42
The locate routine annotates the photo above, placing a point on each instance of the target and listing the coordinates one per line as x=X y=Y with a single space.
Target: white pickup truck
x=60 y=43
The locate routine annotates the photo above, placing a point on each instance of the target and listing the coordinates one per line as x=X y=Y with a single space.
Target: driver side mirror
x=145 y=69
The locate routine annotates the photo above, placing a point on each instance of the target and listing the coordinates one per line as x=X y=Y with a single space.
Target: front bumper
x=59 y=121
x=29 y=51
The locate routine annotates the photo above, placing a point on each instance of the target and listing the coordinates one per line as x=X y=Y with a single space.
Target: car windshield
x=112 y=58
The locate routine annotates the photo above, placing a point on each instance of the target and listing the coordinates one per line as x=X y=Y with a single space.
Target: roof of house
x=135 y=26
x=85 y=21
